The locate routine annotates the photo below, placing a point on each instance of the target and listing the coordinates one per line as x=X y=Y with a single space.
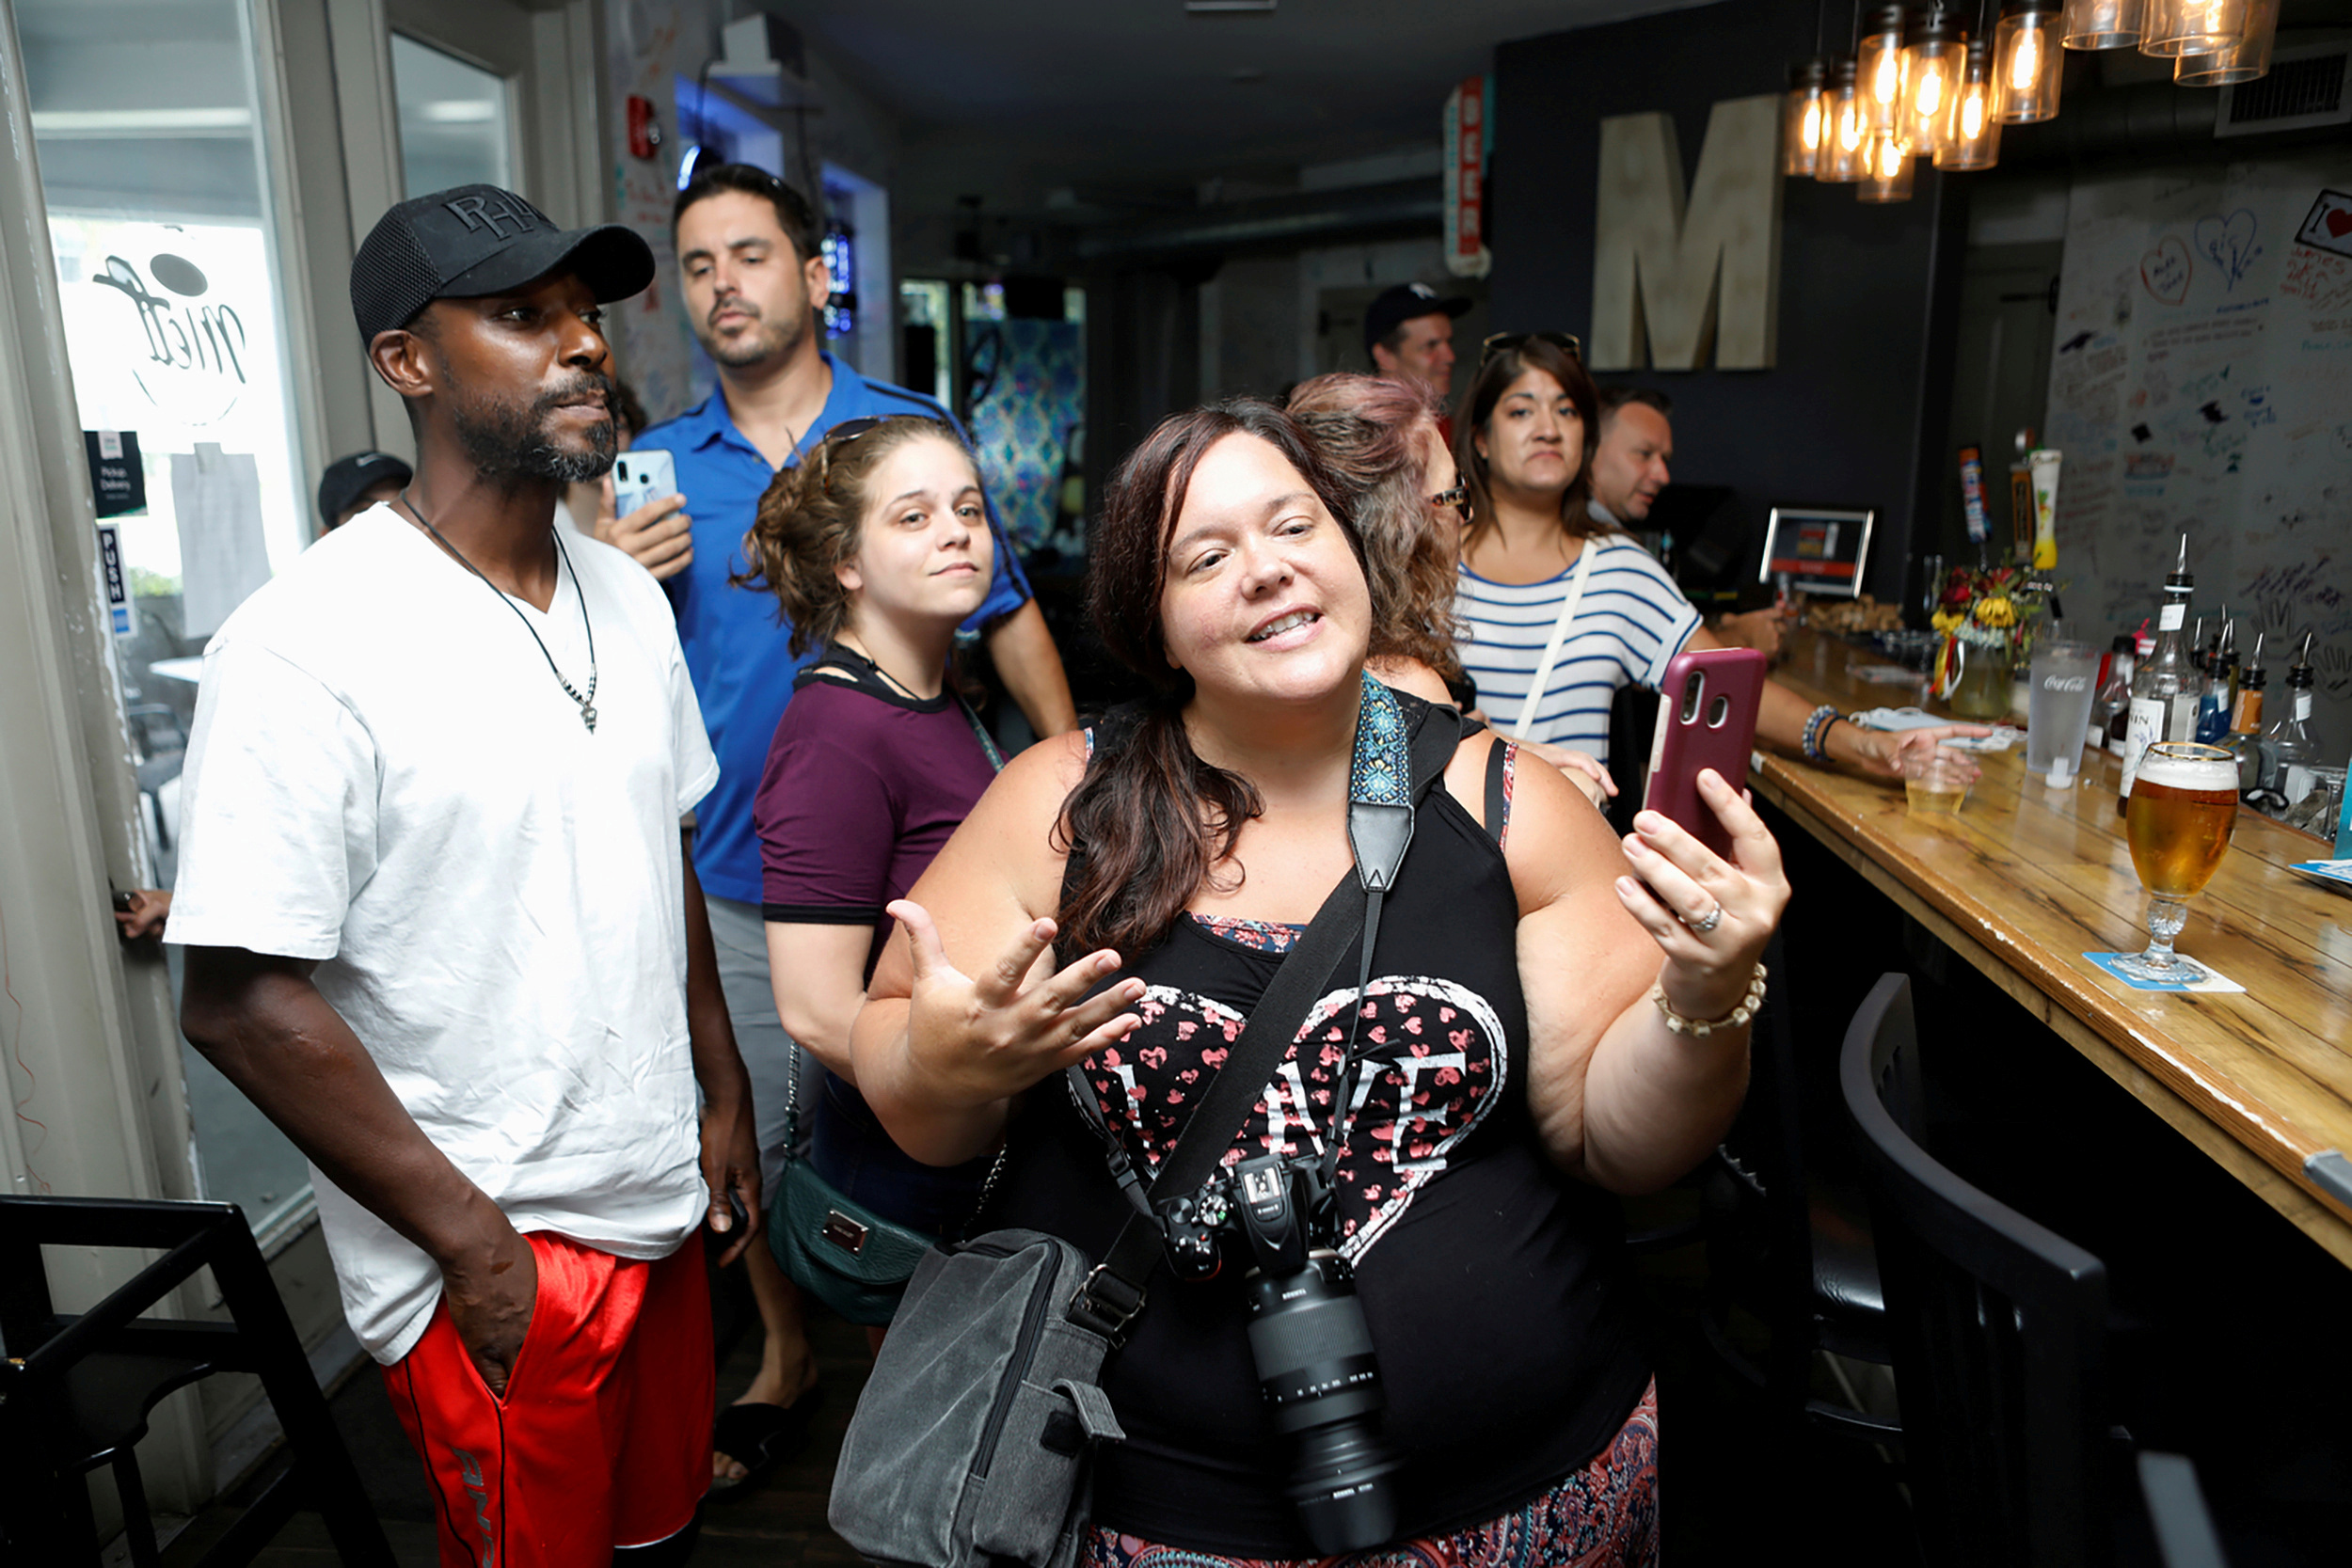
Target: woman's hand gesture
x=1710 y=916
x=980 y=1040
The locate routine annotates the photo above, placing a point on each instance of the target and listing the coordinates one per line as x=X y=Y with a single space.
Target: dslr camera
x=1308 y=1338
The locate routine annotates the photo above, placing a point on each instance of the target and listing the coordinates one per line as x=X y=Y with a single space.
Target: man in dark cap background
x=352 y=484
x=1408 y=332
x=440 y=928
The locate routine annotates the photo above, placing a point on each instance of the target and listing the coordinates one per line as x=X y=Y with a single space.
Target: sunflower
x=1998 y=610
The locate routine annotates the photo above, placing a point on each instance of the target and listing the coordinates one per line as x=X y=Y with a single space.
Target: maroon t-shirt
x=864 y=785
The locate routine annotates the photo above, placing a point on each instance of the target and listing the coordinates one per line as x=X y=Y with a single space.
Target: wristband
x=1816 y=724
x=1699 y=1028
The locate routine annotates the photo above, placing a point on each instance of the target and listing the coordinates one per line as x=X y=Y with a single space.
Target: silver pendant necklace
x=588 y=702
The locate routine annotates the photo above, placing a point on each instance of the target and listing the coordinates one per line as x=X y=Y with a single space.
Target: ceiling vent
x=2307 y=86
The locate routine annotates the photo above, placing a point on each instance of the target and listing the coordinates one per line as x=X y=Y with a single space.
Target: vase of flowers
x=1986 y=616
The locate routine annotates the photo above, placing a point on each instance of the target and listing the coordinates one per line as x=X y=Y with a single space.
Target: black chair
x=76 y=1390
x=1996 y=1325
x=1788 y=1243
x=2177 y=1515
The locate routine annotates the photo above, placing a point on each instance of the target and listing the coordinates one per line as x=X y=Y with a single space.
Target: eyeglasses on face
x=1458 y=497
x=1504 y=342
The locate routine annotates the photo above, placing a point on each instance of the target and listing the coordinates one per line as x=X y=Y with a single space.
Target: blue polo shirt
x=736 y=638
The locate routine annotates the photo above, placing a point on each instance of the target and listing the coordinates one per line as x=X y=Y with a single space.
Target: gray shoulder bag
x=971 y=1443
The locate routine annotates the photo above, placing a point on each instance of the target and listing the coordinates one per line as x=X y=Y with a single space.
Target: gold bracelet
x=1699 y=1028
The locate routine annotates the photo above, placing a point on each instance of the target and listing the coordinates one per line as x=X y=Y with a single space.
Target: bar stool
x=1788 y=1243
x=75 y=1391
x=1997 y=1328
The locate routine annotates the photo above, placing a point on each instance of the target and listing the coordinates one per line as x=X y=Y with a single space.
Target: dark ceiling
x=1025 y=96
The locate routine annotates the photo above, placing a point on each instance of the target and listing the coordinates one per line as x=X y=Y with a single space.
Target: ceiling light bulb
x=1812 y=126
x=2026 y=64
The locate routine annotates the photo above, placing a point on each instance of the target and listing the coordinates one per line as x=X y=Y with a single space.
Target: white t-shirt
x=383 y=775
x=1629 y=626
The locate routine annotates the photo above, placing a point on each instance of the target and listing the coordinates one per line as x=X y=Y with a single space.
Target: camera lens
x=1317 y=1372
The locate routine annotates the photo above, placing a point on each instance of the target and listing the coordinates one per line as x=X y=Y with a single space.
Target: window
x=455 y=125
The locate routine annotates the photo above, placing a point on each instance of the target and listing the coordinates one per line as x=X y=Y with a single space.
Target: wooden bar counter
x=2027 y=879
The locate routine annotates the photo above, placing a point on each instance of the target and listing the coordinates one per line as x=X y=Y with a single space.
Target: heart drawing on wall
x=2166 y=269
x=2229 y=243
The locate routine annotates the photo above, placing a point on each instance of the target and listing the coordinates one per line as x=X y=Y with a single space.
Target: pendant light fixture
x=2242 y=62
x=1935 y=52
x=2103 y=24
x=2027 y=62
x=1846 y=156
x=1805 y=129
x=1890 y=176
x=1973 y=141
x=2176 y=27
x=1879 y=68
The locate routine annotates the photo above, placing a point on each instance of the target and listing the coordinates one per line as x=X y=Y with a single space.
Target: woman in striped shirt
x=1524 y=438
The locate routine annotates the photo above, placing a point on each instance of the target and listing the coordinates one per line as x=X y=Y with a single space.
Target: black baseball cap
x=475 y=240
x=1397 y=306
x=349 y=478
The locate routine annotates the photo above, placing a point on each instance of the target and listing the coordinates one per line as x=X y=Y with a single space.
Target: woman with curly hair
x=877 y=547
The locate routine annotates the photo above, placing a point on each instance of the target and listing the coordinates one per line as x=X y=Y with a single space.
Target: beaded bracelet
x=1699 y=1028
x=1816 y=726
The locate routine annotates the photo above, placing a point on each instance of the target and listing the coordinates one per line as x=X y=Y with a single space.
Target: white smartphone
x=640 y=476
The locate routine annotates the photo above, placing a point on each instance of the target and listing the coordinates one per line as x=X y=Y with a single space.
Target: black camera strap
x=1381 y=830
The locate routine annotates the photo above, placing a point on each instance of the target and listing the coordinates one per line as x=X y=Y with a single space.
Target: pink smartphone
x=1707 y=710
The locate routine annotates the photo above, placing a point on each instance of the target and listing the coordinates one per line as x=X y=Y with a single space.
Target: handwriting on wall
x=1673 y=276
x=2199 y=383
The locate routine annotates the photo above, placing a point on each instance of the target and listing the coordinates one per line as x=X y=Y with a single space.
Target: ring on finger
x=1706 y=922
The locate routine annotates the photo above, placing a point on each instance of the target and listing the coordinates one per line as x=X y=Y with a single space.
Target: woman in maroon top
x=877 y=548
x=1553 y=1018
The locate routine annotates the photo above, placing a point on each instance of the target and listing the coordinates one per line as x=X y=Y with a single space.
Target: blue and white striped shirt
x=1631 y=622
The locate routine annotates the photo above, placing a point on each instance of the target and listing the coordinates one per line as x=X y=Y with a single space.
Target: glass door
x=156 y=160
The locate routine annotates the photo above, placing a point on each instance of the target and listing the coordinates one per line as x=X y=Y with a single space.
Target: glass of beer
x=2184 y=807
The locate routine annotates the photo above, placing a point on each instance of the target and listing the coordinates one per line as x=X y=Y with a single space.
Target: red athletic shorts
x=603 y=1437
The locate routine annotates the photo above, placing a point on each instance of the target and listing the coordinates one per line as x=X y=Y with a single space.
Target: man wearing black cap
x=352 y=484
x=1408 y=331
x=439 y=926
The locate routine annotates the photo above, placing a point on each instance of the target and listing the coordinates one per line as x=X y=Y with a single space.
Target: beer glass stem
x=2166 y=917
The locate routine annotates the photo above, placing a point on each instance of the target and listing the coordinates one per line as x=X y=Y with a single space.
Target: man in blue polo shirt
x=754 y=280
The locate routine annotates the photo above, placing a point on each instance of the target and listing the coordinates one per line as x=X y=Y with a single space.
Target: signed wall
x=2202 y=383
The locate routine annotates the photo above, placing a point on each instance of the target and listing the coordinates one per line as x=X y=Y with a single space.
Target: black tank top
x=1495 y=1289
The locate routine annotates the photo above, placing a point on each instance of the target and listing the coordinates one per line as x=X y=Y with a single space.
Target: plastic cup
x=2061 y=684
x=1938 y=781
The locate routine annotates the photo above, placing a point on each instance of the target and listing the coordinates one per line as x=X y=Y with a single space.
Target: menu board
x=2201 y=382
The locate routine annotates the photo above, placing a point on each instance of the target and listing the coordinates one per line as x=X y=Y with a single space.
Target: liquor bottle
x=2288 y=741
x=2114 y=708
x=2215 y=709
x=2254 y=769
x=2167 y=687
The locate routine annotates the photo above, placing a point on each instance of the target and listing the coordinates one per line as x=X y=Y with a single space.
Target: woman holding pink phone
x=1539 y=998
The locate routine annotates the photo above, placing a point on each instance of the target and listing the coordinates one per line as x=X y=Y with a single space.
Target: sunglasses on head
x=1504 y=342
x=1458 y=497
x=839 y=438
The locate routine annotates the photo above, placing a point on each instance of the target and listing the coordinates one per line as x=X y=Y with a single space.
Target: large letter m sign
x=1678 y=276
